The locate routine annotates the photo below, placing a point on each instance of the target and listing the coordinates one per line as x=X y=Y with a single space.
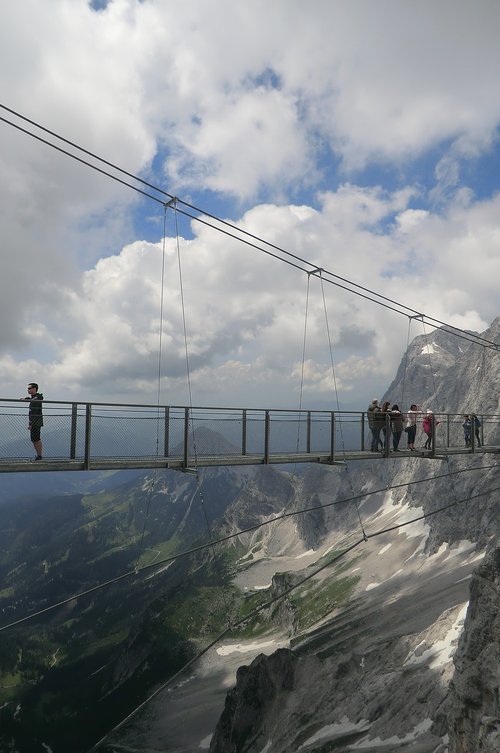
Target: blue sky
x=362 y=137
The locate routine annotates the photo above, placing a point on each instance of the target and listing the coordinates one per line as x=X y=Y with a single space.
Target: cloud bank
x=355 y=135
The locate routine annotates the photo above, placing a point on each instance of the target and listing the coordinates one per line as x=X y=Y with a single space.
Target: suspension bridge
x=96 y=436
x=82 y=436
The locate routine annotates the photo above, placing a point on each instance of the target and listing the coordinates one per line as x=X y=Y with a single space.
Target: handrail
x=93 y=434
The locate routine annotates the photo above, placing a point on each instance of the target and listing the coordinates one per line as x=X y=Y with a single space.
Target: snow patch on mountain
x=332 y=732
x=397 y=740
x=250 y=647
x=439 y=653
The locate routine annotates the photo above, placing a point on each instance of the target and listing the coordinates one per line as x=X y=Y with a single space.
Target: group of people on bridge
x=471 y=424
x=388 y=421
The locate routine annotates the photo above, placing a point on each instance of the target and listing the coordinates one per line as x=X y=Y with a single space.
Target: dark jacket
x=35 y=415
x=397 y=420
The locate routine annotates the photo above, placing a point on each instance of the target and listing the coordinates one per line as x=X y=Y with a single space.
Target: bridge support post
x=332 y=438
x=267 y=431
x=244 y=432
x=362 y=431
x=166 y=433
x=88 y=429
x=74 y=420
x=186 y=437
x=308 y=448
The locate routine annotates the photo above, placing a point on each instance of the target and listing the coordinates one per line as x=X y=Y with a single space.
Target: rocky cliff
x=385 y=674
x=473 y=714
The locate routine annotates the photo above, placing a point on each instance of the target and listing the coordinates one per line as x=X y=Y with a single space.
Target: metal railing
x=133 y=435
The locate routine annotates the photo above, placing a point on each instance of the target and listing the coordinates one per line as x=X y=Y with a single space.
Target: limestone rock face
x=451 y=375
x=474 y=703
x=378 y=675
x=258 y=688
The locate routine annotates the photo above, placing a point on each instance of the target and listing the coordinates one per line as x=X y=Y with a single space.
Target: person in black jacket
x=476 y=423
x=35 y=417
x=397 y=421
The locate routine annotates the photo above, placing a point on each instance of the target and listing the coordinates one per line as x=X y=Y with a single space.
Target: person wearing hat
x=375 y=423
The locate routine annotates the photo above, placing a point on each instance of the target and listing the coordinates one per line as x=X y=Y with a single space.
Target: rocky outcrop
x=258 y=688
x=474 y=702
x=311 y=527
x=450 y=375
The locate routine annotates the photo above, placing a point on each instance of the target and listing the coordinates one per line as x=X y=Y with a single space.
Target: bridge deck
x=10 y=465
x=110 y=436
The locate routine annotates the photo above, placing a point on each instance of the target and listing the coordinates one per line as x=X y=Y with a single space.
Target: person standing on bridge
x=467 y=425
x=397 y=421
x=386 y=426
x=476 y=423
x=35 y=417
x=375 y=424
x=428 y=425
x=411 y=425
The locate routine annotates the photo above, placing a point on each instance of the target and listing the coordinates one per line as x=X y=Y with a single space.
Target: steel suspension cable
x=194 y=550
x=304 y=341
x=405 y=367
x=354 y=288
x=154 y=476
x=434 y=424
x=191 y=418
x=330 y=348
x=293 y=474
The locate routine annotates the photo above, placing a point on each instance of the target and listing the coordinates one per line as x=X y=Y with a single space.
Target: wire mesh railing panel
x=462 y=431
x=175 y=421
x=216 y=435
x=60 y=432
x=14 y=432
x=126 y=434
x=288 y=432
x=63 y=433
x=321 y=432
x=349 y=432
x=447 y=432
x=85 y=431
x=490 y=430
x=255 y=432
